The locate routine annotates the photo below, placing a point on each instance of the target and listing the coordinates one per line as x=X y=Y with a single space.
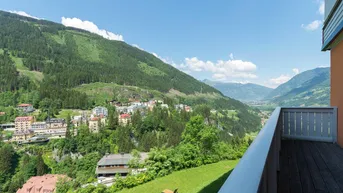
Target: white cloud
x=222 y=69
x=314 y=25
x=323 y=66
x=91 y=27
x=136 y=46
x=275 y=82
x=296 y=71
x=22 y=13
x=321 y=9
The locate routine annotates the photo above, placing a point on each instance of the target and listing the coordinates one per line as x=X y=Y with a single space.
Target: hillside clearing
x=203 y=179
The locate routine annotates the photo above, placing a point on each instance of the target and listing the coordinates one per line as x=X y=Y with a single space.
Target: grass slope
x=102 y=92
x=35 y=76
x=203 y=179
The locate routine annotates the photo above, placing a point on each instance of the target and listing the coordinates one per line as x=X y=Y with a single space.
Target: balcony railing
x=258 y=169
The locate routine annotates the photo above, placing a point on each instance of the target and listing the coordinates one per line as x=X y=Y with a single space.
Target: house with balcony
x=300 y=149
x=117 y=164
x=39 y=128
x=26 y=108
x=56 y=127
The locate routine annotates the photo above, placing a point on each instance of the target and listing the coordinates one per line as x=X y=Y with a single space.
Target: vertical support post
x=334 y=125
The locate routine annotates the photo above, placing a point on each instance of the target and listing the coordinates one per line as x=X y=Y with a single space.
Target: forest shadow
x=217 y=184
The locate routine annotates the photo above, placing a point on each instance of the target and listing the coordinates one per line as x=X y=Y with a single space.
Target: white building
x=39 y=128
x=26 y=108
x=100 y=111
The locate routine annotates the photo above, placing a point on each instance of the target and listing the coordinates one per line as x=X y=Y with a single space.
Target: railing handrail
x=247 y=175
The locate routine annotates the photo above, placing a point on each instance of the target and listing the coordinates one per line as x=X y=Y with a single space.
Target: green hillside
x=53 y=66
x=204 y=179
x=70 y=57
x=242 y=92
x=310 y=88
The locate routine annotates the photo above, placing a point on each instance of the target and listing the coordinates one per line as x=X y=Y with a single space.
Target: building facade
x=57 y=128
x=111 y=165
x=124 y=119
x=23 y=123
x=26 y=108
x=100 y=111
x=333 y=42
x=21 y=136
x=39 y=127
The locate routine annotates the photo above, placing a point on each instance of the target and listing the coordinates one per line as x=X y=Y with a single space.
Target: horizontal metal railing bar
x=247 y=175
x=305 y=138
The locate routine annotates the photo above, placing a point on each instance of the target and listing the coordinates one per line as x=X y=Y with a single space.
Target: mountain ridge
x=309 y=88
x=239 y=91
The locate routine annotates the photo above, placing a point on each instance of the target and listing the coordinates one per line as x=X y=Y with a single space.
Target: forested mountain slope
x=310 y=88
x=296 y=82
x=70 y=57
x=46 y=61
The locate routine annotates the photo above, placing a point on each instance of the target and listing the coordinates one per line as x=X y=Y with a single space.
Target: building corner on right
x=333 y=42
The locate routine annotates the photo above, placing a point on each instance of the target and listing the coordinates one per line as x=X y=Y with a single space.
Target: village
x=25 y=129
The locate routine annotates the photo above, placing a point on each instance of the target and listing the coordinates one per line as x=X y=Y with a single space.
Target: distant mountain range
x=242 y=92
x=309 y=88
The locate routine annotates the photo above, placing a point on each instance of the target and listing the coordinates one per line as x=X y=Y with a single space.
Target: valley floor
x=203 y=179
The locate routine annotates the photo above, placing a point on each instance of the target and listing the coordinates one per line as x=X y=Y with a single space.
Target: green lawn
x=33 y=75
x=203 y=179
x=65 y=112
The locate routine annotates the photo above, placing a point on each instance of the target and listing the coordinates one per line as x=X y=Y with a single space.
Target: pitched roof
x=24 y=105
x=40 y=184
x=125 y=116
x=28 y=118
x=119 y=159
x=95 y=119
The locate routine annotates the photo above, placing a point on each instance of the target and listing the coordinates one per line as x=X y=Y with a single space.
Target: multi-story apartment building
x=23 y=123
x=39 y=127
x=57 y=128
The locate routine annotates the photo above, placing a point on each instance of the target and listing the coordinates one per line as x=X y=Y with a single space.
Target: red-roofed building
x=124 y=119
x=2 y=113
x=41 y=184
x=27 y=108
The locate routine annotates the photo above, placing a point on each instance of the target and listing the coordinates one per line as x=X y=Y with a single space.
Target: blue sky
x=258 y=41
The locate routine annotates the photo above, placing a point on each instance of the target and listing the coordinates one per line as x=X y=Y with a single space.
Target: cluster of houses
x=26 y=128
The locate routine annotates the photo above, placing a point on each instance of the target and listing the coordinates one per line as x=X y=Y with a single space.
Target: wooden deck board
x=310 y=167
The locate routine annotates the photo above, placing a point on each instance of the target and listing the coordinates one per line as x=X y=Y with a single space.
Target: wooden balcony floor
x=307 y=166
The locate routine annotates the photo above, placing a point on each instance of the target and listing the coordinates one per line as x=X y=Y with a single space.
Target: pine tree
x=42 y=168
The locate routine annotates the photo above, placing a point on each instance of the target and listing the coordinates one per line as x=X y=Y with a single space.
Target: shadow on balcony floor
x=215 y=185
x=307 y=166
